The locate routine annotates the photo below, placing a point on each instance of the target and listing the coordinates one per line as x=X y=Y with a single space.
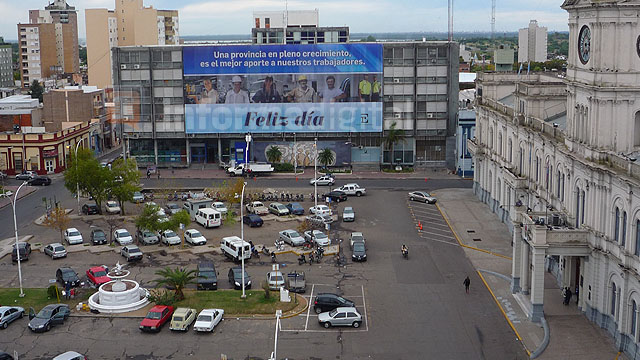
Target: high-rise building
x=49 y=43
x=130 y=24
x=532 y=43
x=503 y=58
x=295 y=27
x=6 y=65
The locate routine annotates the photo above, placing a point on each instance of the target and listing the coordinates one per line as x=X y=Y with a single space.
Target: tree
x=181 y=217
x=112 y=222
x=177 y=279
x=58 y=220
x=229 y=192
x=393 y=137
x=149 y=219
x=126 y=180
x=274 y=155
x=326 y=157
x=91 y=177
x=36 y=90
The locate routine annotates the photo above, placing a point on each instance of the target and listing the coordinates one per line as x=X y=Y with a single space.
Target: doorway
x=49 y=166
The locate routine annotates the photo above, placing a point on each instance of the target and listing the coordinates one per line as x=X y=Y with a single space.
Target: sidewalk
x=488 y=245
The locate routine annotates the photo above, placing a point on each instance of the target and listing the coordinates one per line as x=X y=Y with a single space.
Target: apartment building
x=295 y=27
x=6 y=65
x=130 y=24
x=532 y=43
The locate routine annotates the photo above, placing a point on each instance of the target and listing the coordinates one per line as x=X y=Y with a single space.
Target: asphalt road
x=415 y=308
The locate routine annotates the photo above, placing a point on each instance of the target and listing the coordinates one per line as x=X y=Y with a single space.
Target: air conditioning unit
x=433 y=61
x=136 y=66
x=397 y=116
x=123 y=66
x=396 y=80
x=429 y=115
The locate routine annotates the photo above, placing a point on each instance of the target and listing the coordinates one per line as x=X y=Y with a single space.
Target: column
x=524 y=268
x=516 y=263
x=219 y=150
x=155 y=150
x=537 y=284
x=188 y=152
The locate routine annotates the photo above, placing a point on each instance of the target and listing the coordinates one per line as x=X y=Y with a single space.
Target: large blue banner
x=282 y=59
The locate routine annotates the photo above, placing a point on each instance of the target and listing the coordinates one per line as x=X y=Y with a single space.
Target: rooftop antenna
x=493 y=21
x=286 y=13
x=450 y=6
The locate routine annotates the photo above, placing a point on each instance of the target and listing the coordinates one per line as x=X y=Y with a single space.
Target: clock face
x=584 y=44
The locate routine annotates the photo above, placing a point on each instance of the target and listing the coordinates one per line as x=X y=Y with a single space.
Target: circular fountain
x=119 y=295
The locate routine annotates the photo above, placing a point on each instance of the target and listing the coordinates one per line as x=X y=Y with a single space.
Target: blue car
x=252 y=220
x=295 y=208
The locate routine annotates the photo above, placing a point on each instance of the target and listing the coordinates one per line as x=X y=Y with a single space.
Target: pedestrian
x=467 y=283
x=566 y=294
x=569 y=294
x=148 y=174
x=67 y=290
x=158 y=172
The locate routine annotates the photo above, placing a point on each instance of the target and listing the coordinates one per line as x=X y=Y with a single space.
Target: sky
x=217 y=17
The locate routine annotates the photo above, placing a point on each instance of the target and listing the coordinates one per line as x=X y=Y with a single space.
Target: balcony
x=476 y=149
x=549 y=230
x=514 y=180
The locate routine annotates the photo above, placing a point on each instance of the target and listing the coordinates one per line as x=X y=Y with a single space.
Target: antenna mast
x=450 y=6
x=493 y=21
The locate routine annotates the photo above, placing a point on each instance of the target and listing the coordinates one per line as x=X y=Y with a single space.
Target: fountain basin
x=119 y=296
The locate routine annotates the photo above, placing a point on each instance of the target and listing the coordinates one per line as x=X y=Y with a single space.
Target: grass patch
x=230 y=301
x=393 y=170
x=37 y=298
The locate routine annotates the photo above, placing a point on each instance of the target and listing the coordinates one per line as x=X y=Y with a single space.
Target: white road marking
x=309 y=308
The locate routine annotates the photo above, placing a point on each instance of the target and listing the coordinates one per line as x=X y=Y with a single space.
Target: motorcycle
x=302 y=260
x=273 y=257
x=405 y=253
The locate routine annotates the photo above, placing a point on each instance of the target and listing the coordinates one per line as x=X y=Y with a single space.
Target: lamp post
x=274 y=354
x=77 y=177
x=15 y=225
x=242 y=234
x=247 y=138
x=315 y=172
x=295 y=156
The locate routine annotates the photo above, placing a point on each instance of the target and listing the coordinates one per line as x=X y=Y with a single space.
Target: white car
x=194 y=237
x=256 y=207
x=169 y=237
x=320 y=210
x=55 y=250
x=325 y=180
x=278 y=209
x=122 y=237
x=275 y=280
x=70 y=355
x=423 y=196
x=318 y=237
x=173 y=208
x=356 y=237
x=220 y=207
x=138 y=197
x=208 y=319
x=348 y=214
x=72 y=236
x=291 y=237
x=112 y=207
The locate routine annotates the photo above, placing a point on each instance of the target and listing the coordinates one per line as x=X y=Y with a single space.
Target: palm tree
x=274 y=155
x=177 y=279
x=326 y=157
x=393 y=137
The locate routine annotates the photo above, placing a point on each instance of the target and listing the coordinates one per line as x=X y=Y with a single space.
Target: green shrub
x=283 y=167
x=52 y=292
x=162 y=297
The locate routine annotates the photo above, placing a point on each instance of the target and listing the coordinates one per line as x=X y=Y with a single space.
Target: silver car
x=348 y=214
x=55 y=250
x=342 y=316
x=275 y=279
x=422 y=196
x=318 y=237
x=291 y=237
x=9 y=314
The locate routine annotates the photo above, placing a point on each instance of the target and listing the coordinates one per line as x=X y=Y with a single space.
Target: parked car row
x=181 y=319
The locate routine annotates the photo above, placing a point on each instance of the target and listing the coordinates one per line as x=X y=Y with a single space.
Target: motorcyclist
x=302 y=259
x=405 y=250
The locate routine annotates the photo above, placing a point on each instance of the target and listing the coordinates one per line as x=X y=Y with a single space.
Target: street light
x=315 y=172
x=295 y=156
x=15 y=226
x=77 y=177
x=247 y=138
x=274 y=354
x=242 y=233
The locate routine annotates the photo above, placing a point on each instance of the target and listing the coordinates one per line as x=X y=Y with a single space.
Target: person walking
x=467 y=283
x=67 y=290
x=148 y=174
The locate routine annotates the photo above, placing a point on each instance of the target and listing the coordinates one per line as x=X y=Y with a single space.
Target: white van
x=208 y=217
x=231 y=247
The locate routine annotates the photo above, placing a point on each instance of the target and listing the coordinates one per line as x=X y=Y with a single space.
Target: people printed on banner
x=303 y=93
x=237 y=95
x=268 y=93
x=331 y=93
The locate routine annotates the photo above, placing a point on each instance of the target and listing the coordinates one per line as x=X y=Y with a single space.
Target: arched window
x=499 y=143
x=616 y=226
x=578 y=214
x=584 y=196
x=510 y=150
x=613 y=299
x=624 y=228
x=634 y=310
x=637 y=249
x=537 y=168
x=636 y=130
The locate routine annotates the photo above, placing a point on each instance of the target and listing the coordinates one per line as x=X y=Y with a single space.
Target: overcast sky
x=201 y=17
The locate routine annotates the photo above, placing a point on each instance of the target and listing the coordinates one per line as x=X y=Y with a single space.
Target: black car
x=49 y=316
x=40 y=181
x=328 y=301
x=5 y=356
x=336 y=196
x=90 y=208
x=98 y=237
x=252 y=220
x=207 y=276
x=65 y=274
x=24 y=250
x=359 y=251
x=235 y=278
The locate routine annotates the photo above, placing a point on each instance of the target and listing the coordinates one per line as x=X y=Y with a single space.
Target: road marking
x=440 y=235
x=364 y=306
x=309 y=308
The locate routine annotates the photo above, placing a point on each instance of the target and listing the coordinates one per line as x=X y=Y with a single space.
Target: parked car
x=97 y=275
x=320 y=210
x=252 y=220
x=138 y=197
x=98 y=237
x=220 y=207
x=24 y=249
x=90 y=208
x=275 y=280
x=336 y=196
x=3 y=175
x=352 y=189
x=156 y=318
x=319 y=220
x=359 y=251
x=70 y=355
x=67 y=274
x=72 y=236
x=40 y=181
x=9 y=314
x=256 y=207
x=295 y=208
x=317 y=237
x=173 y=208
x=122 y=237
x=235 y=278
x=348 y=214
x=26 y=175
x=55 y=250
x=112 y=207
x=422 y=196
x=355 y=237
x=329 y=301
x=5 y=356
x=291 y=237
x=131 y=253
x=208 y=319
x=182 y=318
x=194 y=237
x=207 y=276
x=50 y=315
x=278 y=209
x=323 y=181
x=169 y=237
x=146 y=237
x=342 y=316
x=296 y=282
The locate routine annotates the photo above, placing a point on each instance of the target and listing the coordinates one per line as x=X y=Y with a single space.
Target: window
x=637 y=249
x=616 y=231
x=634 y=310
x=613 y=299
x=636 y=130
x=624 y=228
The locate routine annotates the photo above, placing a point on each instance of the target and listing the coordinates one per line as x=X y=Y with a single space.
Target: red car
x=97 y=275
x=157 y=316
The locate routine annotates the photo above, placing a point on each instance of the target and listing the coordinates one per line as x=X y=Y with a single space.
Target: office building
x=49 y=43
x=563 y=173
x=532 y=43
x=295 y=27
x=6 y=65
x=130 y=24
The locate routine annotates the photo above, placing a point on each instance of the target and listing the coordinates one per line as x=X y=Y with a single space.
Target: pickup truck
x=355 y=237
x=352 y=189
x=253 y=169
x=256 y=207
x=296 y=282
